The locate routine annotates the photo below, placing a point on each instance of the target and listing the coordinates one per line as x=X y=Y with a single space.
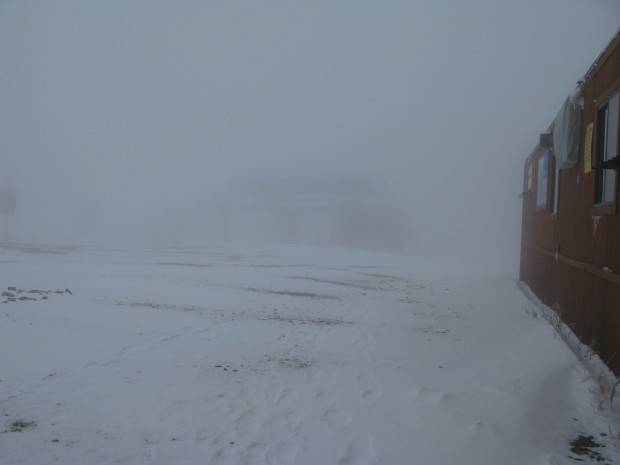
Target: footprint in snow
x=245 y=423
x=365 y=376
x=286 y=394
x=371 y=395
x=360 y=452
x=336 y=418
x=288 y=451
x=438 y=398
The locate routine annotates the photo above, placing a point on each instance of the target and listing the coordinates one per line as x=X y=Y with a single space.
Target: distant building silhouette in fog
x=344 y=211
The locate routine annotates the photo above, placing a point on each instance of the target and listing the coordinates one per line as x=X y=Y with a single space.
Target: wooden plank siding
x=571 y=260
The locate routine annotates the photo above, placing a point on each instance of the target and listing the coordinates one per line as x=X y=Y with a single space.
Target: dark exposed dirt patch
x=431 y=330
x=297 y=363
x=307 y=320
x=392 y=280
x=21 y=425
x=160 y=306
x=227 y=368
x=387 y=276
x=194 y=265
x=586 y=446
x=311 y=295
x=288 y=361
x=39 y=250
x=337 y=283
x=13 y=294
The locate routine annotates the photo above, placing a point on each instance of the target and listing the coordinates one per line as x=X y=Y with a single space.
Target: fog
x=398 y=126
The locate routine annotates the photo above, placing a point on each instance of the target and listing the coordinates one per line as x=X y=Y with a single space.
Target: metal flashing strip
x=587 y=267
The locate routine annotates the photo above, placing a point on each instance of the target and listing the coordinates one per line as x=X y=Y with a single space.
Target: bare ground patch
x=336 y=283
x=586 y=446
x=214 y=314
x=155 y=306
x=432 y=330
x=310 y=295
x=13 y=294
x=195 y=265
x=20 y=425
x=291 y=361
x=307 y=320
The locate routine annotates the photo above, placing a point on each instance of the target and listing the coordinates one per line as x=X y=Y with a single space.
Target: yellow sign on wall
x=587 y=149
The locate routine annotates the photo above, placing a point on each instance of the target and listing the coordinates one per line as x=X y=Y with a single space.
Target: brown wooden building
x=570 y=242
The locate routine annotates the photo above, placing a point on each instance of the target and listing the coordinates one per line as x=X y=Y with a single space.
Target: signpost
x=8 y=202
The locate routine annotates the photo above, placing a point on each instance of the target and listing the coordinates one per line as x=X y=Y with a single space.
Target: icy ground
x=283 y=355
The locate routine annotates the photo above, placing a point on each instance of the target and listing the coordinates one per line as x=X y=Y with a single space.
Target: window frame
x=601 y=204
x=541 y=202
x=554 y=188
x=529 y=177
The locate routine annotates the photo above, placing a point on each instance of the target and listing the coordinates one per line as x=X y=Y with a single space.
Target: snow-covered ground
x=283 y=355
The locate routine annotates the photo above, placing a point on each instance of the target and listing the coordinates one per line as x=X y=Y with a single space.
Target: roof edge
x=601 y=55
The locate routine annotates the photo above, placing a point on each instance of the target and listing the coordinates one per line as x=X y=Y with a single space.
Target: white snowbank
x=283 y=355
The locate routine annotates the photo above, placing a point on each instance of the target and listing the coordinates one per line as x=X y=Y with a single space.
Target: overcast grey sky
x=131 y=113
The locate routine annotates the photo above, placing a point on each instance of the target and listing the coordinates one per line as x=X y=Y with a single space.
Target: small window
x=543 y=176
x=606 y=149
x=530 y=177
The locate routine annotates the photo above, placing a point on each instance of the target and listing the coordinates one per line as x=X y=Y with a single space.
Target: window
x=530 y=177
x=541 y=185
x=556 y=185
x=606 y=149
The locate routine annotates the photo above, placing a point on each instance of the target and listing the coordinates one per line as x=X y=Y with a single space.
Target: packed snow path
x=284 y=355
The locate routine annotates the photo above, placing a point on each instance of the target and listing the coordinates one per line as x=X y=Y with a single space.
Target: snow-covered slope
x=282 y=355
